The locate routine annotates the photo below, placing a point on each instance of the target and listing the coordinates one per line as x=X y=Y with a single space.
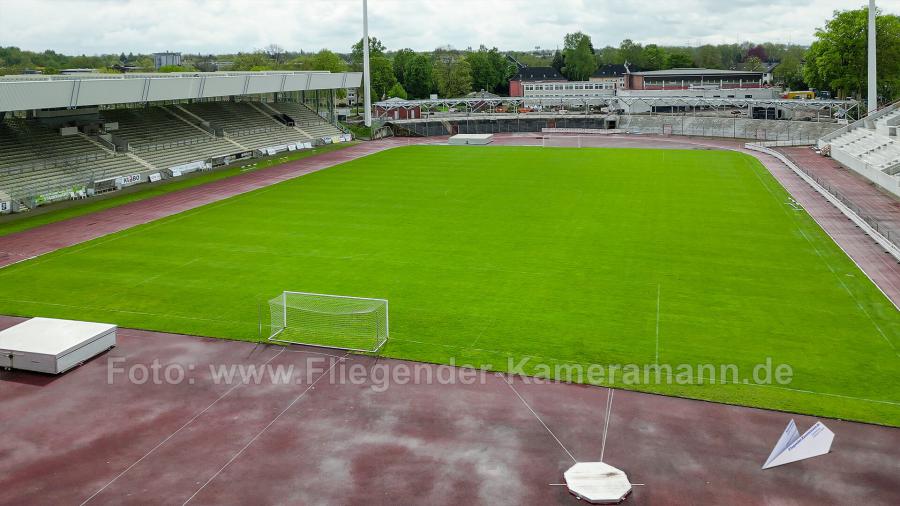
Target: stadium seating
x=870 y=143
x=36 y=159
x=307 y=119
x=246 y=124
x=158 y=136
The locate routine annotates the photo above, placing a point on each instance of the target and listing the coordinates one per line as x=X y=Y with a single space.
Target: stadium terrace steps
x=36 y=159
x=870 y=144
x=245 y=124
x=307 y=119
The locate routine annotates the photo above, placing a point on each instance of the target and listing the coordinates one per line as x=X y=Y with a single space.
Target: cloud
x=227 y=26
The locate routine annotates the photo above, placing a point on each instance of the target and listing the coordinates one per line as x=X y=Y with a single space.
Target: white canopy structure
x=20 y=93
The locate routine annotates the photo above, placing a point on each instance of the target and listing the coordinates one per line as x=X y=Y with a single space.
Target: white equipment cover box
x=475 y=139
x=597 y=483
x=53 y=346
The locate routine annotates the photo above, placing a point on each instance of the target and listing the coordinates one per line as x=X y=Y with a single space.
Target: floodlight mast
x=367 y=86
x=873 y=74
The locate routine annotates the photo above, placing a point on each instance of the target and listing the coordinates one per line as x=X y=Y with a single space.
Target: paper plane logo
x=792 y=447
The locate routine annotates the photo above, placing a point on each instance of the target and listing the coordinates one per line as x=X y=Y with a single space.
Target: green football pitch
x=551 y=261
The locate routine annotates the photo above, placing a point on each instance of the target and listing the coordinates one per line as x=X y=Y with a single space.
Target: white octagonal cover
x=597 y=483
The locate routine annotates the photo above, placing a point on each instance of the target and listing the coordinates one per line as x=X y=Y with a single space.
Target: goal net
x=330 y=321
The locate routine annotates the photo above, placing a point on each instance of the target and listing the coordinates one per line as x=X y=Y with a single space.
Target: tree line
x=836 y=61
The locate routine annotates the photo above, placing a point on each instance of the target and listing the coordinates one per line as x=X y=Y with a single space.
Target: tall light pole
x=367 y=85
x=873 y=74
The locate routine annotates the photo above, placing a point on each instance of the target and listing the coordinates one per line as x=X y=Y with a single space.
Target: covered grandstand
x=64 y=137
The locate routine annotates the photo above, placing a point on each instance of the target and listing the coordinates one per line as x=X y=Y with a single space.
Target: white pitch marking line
x=609 y=401
x=539 y=419
x=658 y=291
x=138 y=461
x=260 y=433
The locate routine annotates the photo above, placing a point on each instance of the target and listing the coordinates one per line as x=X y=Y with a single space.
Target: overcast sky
x=225 y=26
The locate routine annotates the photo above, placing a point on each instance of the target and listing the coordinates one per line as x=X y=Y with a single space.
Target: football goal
x=329 y=321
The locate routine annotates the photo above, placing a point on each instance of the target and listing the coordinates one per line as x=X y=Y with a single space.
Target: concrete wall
x=741 y=128
x=492 y=125
x=888 y=182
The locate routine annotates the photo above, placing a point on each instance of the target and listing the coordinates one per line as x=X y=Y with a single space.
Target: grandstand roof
x=24 y=92
x=696 y=72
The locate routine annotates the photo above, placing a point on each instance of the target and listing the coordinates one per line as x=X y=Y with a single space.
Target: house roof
x=539 y=74
x=611 y=70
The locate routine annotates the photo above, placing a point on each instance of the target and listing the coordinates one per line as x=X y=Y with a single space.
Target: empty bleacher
x=307 y=119
x=245 y=124
x=870 y=144
x=36 y=159
x=163 y=140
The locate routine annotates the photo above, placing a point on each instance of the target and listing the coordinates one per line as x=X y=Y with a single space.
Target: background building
x=164 y=59
x=533 y=75
x=691 y=78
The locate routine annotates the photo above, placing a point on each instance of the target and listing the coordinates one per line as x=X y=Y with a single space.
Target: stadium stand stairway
x=306 y=119
x=871 y=144
x=165 y=139
x=246 y=124
x=36 y=159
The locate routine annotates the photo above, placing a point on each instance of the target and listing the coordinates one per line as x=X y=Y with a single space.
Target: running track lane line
x=509 y=382
x=170 y=436
x=264 y=429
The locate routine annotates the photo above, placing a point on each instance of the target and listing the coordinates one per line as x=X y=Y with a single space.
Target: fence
x=883 y=234
x=171 y=144
x=871 y=117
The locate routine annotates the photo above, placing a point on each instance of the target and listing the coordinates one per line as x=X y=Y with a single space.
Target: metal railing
x=871 y=117
x=163 y=146
x=891 y=234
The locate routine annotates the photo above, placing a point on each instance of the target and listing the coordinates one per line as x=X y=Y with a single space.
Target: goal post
x=329 y=321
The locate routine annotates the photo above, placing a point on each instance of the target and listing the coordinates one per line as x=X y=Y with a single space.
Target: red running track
x=319 y=438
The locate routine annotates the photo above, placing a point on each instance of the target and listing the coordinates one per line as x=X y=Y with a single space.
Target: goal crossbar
x=332 y=321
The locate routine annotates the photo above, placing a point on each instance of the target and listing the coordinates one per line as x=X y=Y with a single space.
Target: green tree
x=754 y=64
x=383 y=79
x=837 y=59
x=418 y=74
x=789 y=72
x=401 y=60
x=326 y=60
x=631 y=52
x=452 y=74
x=579 y=57
x=558 y=61
x=708 y=57
x=572 y=40
x=653 y=57
x=679 y=59
x=610 y=56
x=257 y=60
x=490 y=69
x=166 y=69
x=376 y=49
x=397 y=91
